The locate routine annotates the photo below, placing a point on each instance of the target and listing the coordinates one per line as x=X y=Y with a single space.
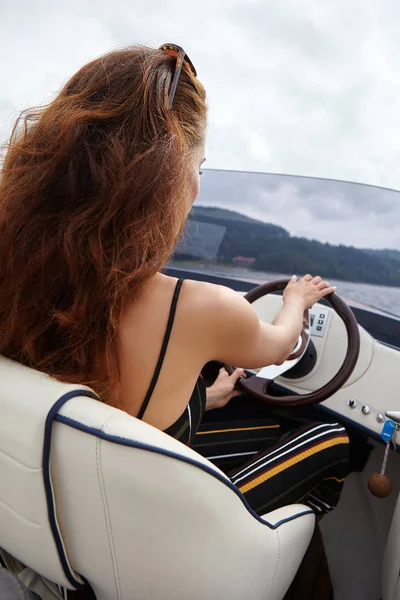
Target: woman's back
x=142 y=332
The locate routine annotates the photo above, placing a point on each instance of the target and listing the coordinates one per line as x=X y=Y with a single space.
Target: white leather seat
x=87 y=491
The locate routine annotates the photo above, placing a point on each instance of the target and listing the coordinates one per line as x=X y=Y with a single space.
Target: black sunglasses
x=181 y=57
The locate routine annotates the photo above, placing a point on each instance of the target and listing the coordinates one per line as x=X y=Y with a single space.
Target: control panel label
x=318 y=321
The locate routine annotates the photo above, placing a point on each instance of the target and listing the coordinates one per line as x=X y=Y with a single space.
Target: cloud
x=321 y=83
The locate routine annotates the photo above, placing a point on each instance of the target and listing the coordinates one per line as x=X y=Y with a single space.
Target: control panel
x=387 y=420
x=318 y=321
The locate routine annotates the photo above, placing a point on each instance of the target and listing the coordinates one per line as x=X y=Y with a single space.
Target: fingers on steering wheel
x=237 y=374
x=322 y=285
x=328 y=290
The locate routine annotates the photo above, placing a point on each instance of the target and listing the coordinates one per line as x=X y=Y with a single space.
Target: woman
x=94 y=194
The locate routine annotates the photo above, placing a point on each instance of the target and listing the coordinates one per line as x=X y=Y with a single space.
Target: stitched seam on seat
x=43 y=524
x=105 y=510
x=115 y=439
x=276 y=564
x=73 y=578
x=110 y=418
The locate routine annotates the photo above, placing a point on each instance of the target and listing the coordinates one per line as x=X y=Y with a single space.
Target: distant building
x=243 y=260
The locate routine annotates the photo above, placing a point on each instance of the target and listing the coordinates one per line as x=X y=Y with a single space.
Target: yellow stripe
x=334 y=478
x=238 y=429
x=292 y=461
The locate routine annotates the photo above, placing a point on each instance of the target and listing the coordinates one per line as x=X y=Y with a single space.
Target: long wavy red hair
x=92 y=202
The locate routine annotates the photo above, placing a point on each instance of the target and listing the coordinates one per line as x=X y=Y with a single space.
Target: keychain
x=379 y=484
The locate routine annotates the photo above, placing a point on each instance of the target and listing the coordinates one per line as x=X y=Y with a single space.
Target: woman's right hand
x=308 y=289
x=223 y=388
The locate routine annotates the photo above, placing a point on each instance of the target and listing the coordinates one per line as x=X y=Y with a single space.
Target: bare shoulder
x=207 y=299
x=220 y=318
x=205 y=290
x=211 y=322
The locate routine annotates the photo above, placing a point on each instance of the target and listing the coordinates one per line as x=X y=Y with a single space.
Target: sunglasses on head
x=181 y=57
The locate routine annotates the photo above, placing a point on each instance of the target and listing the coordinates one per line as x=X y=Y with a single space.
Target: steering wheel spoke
x=254 y=386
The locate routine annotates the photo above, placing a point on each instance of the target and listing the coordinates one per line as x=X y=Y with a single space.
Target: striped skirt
x=276 y=457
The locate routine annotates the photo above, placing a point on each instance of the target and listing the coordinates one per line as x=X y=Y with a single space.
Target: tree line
x=276 y=251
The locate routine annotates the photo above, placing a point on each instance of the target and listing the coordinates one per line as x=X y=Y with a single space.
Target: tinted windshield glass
x=260 y=226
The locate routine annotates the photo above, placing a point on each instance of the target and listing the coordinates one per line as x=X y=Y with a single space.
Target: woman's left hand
x=223 y=388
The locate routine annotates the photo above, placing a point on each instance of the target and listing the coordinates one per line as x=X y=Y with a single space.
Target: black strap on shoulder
x=163 y=349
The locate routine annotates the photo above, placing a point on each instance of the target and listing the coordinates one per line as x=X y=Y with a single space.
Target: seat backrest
x=28 y=525
x=88 y=491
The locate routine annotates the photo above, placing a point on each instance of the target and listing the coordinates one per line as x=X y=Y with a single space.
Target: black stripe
x=177 y=429
x=249 y=442
x=163 y=350
x=276 y=461
x=299 y=437
x=196 y=407
x=303 y=482
x=185 y=459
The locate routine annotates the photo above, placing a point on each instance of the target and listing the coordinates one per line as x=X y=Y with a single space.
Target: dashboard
x=373 y=387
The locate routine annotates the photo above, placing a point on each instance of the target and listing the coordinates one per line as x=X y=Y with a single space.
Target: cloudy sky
x=307 y=87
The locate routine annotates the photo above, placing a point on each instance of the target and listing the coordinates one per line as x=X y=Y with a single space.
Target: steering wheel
x=258 y=386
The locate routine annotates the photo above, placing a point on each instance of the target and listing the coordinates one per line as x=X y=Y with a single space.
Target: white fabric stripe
x=229 y=455
x=269 y=461
x=190 y=422
x=314 y=506
x=294 y=441
x=319 y=501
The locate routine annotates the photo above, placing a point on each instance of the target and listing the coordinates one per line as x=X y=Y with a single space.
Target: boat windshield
x=258 y=226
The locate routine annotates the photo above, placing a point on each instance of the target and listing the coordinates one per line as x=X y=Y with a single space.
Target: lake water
x=381 y=297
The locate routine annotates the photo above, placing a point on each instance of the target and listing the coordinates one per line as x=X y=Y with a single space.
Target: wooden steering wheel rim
x=258 y=386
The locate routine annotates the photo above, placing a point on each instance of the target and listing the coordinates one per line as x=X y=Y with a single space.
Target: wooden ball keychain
x=379 y=484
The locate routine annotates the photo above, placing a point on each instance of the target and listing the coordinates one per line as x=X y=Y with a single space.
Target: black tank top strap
x=163 y=349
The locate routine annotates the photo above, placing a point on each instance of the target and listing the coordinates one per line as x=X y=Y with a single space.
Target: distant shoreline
x=370 y=296
x=249 y=272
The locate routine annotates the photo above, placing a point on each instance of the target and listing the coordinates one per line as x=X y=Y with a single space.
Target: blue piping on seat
x=147 y=447
x=47 y=481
